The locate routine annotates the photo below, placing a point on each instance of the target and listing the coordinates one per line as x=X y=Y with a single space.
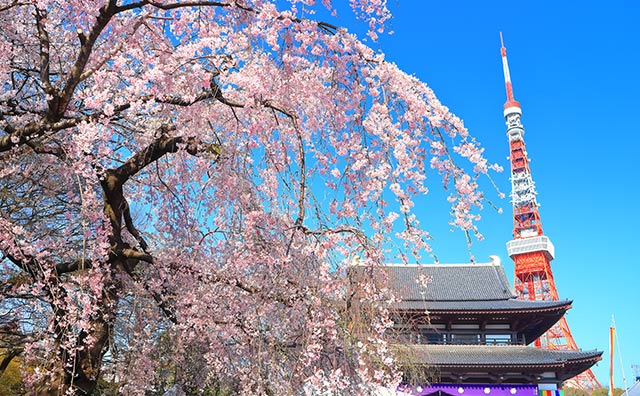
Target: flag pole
x=612 y=331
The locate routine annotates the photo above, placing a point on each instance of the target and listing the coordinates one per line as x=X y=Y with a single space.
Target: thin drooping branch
x=302 y=187
x=55 y=292
x=346 y=229
x=303 y=178
x=210 y=278
x=128 y=221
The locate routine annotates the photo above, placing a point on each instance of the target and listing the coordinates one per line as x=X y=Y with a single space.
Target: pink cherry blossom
x=184 y=187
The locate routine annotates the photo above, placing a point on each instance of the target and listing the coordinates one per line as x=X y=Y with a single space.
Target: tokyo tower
x=530 y=250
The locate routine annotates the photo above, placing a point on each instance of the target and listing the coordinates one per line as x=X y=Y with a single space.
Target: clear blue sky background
x=574 y=67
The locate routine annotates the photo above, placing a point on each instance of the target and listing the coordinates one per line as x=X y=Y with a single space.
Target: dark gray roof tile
x=485 y=355
x=449 y=282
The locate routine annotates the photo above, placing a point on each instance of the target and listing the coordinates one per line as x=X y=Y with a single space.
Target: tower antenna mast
x=530 y=250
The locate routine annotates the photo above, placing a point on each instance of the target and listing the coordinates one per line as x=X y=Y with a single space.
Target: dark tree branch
x=133 y=254
x=27 y=133
x=188 y=4
x=160 y=147
x=159 y=298
x=43 y=38
x=35 y=129
x=72 y=266
x=346 y=229
x=178 y=101
x=303 y=179
x=217 y=92
x=128 y=221
x=173 y=6
x=126 y=253
x=87 y=42
x=15 y=4
x=26 y=264
x=59 y=101
x=98 y=65
x=8 y=357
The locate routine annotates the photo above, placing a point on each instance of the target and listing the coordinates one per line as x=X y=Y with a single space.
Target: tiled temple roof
x=450 y=282
x=459 y=287
x=487 y=356
x=474 y=293
x=489 y=364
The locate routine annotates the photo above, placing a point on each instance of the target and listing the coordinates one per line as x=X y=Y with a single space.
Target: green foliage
x=605 y=392
x=106 y=388
x=220 y=389
x=11 y=380
x=575 y=392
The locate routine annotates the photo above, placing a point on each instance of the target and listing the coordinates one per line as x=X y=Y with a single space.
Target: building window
x=465 y=338
x=498 y=339
x=498 y=326
x=433 y=338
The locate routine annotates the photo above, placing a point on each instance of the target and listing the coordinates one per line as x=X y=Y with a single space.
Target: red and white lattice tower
x=530 y=249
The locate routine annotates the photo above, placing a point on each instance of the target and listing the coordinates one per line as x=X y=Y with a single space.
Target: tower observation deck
x=530 y=250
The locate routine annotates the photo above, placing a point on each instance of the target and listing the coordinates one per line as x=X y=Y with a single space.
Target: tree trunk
x=81 y=377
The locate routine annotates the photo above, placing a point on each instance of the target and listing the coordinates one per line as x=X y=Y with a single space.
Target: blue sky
x=574 y=67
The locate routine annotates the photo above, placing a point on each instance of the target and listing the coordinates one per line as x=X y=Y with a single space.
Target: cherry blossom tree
x=183 y=185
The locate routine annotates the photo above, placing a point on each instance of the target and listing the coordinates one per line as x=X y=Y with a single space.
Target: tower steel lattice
x=530 y=250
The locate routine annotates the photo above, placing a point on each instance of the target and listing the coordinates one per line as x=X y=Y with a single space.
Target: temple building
x=463 y=326
x=634 y=390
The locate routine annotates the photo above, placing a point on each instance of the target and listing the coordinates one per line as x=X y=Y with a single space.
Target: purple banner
x=470 y=390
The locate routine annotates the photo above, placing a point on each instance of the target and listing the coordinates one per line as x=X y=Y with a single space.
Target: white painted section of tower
x=512 y=110
x=515 y=131
x=505 y=68
x=529 y=245
x=523 y=191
